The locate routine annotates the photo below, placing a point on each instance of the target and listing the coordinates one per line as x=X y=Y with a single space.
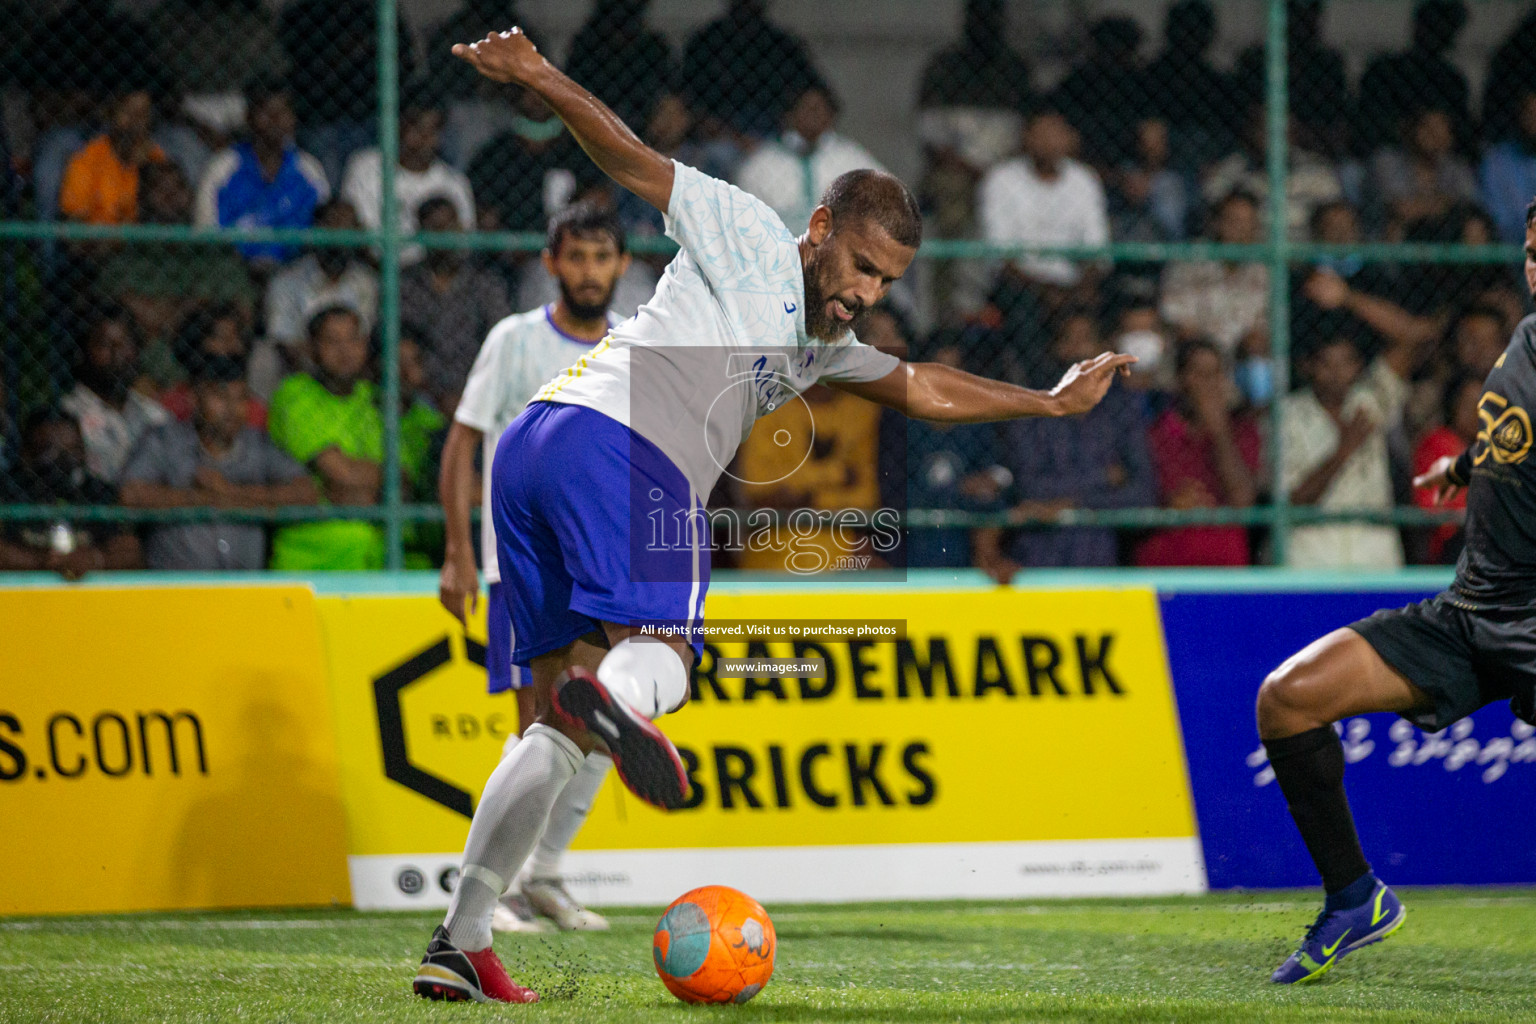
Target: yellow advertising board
x=1014 y=743
x=166 y=748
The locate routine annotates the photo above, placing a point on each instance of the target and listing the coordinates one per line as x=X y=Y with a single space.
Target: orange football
x=714 y=945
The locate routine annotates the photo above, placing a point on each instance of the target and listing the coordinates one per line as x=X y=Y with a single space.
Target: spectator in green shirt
x=330 y=422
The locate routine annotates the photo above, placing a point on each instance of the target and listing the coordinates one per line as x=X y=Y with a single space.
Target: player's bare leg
x=1330 y=679
x=513 y=809
x=539 y=896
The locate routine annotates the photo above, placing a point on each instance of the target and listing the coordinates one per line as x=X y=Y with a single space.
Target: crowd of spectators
x=172 y=375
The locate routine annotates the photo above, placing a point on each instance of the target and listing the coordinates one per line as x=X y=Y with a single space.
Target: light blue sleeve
x=736 y=239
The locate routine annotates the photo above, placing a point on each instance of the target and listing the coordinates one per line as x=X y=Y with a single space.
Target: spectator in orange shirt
x=1451 y=438
x=101 y=183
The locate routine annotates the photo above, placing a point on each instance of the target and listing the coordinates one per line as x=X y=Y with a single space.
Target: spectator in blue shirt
x=266 y=181
x=1507 y=179
x=1097 y=460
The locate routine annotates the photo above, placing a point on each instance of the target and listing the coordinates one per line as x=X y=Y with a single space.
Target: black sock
x=1310 y=770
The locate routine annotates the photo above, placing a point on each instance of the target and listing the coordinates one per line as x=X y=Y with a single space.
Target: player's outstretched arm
x=511 y=57
x=1441 y=476
x=933 y=391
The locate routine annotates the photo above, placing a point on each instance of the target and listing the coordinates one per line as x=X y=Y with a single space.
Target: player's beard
x=820 y=324
x=587 y=310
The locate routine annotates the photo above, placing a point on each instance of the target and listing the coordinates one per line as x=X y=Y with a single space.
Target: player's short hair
x=879 y=198
x=583 y=220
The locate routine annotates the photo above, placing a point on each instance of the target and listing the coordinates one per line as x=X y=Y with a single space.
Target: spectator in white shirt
x=1045 y=197
x=1222 y=301
x=421 y=175
x=328 y=276
x=790 y=173
x=111 y=414
x=1334 y=450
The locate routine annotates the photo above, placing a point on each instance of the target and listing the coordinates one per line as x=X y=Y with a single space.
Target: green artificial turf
x=1463 y=955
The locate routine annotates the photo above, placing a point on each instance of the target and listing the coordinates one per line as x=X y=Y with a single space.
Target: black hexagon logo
x=398 y=765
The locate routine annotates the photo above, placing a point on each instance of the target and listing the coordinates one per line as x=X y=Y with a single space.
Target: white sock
x=512 y=814
x=646 y=674
x=567 y=816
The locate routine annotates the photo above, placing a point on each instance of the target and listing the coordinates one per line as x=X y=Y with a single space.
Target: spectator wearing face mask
x=216 y=460
x=1204 y=457
x=1140 y=331
x=52 y=471
x=110 y=414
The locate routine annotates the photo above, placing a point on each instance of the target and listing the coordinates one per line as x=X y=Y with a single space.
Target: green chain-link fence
x=1088 y=182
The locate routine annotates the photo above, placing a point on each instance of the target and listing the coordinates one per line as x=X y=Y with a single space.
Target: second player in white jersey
x=522 y=354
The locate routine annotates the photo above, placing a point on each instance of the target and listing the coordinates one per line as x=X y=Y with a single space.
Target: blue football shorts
x=593 y=524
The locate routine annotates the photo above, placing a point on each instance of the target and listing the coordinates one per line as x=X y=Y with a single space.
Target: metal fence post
x=1277 y=115
x=389 y=280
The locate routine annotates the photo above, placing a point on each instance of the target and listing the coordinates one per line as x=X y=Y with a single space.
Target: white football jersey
x=721 y=343
x=520 y=354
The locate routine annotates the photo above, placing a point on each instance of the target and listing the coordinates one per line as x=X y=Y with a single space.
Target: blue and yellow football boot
x=1336 y=933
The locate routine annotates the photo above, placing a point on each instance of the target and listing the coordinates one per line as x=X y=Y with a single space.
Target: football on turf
x=714 y=945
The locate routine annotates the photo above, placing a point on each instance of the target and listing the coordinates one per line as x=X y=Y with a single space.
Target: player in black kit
x=1432 y=662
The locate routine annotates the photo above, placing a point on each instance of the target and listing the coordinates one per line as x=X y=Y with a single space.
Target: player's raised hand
x=503 y=56
x=1438 y=476
x=1085 y=383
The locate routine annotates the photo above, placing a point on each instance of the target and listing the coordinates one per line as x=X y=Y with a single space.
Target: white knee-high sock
x=646 y=674
x=568 y=815
x=512 y=814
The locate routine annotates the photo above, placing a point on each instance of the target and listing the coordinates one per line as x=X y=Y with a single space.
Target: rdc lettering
x=991 y=667
x=147 y=742
x=822 y=774
x=469 y=727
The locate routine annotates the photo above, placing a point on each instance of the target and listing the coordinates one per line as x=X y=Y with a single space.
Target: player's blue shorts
x=591 y=526
x=501 y=674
